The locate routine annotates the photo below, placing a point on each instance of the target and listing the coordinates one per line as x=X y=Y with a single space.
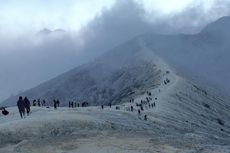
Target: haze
x=42 y=39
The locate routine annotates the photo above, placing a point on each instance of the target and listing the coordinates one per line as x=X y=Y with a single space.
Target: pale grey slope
x=111 y=78
x=203 y=57
x=125 y=69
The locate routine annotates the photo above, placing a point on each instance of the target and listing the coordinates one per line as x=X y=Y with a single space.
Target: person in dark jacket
x=39 y=103
x=55 y=104
x=27 y=105
x=132 y=108
x=34 y=102
x=21 y=107
x=58 y=103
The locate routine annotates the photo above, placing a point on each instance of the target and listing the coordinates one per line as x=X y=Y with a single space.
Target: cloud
x=29 y=60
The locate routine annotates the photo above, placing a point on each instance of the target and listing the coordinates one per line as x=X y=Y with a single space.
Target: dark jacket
x=21 y=105
x=27 y=103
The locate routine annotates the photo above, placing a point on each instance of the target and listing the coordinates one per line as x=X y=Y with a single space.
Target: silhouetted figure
x=154 y=104
x=139 y=112
x=78 y=105
x=142 y=107
x=145 y=117
x=55 y=104
x=149 y=93
x=75 y=104
x=21 y=107
x=69 y=104
x=58 y=103
x=85 y=104
x=34 y=102
x=27 y=105
x=39 y=103
x=110 y=105
x=44 y=102
x=72 y=104
x=132 y=108
x=102 y=107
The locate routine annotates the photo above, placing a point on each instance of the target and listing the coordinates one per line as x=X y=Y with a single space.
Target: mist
x=32 y=58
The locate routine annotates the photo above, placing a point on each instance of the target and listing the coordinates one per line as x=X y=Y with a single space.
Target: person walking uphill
x=27 y=105
x=21 y=107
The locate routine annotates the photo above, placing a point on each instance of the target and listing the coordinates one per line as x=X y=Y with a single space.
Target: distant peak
x=221 y=25
x=46 y=31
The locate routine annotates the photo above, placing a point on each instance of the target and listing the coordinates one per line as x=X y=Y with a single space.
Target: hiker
x=58 y=103
x=21 y=107
x=102 y=107
x=149 y=93
x=55 y=104
x=142 y=107
x=75 y=105
x=78 y=105
x=72 y=104
x=69 y=104
x=39 y=103
x=44 y=102
x=139 y=112
x=145 y=117
x=34 y=102
x=154 y=104
x=27 y=105
x=110 y=105
x=132 y=108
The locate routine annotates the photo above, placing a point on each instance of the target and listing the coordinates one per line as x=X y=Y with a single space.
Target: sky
x=19 y=17
x=30 y=55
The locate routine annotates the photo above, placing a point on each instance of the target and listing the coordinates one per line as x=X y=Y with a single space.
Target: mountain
x=134 y=67
x=187 y=117
x=110 y=78
x=50 y=33
x=202 y=57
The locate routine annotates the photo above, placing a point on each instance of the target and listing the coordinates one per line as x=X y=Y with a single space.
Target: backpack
x=5 y=112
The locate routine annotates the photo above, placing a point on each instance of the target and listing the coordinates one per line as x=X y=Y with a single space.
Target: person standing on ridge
x=21 y=107
x=27 y=105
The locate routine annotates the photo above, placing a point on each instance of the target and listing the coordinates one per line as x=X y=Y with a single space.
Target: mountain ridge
x=164 y=46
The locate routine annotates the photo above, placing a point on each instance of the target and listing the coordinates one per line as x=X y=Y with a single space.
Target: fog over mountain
x=31 y=59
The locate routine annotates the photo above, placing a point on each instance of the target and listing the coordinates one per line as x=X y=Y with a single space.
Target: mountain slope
x=202 y=57
x=110 y=78
x=186 y=118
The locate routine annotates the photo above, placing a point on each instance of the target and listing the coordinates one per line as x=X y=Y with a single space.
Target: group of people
x=23 y=106
x=39 y=103
x=148 y=103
